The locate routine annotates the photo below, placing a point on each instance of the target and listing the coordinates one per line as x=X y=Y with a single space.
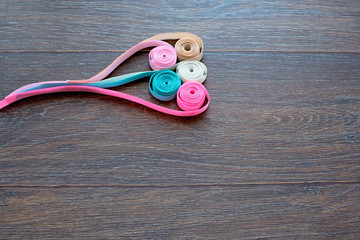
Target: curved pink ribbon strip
x=188 y=111
x=165 y=50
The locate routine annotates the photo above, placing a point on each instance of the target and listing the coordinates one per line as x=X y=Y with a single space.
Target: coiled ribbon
x=164 y=85
x=191 y=96
x=188 y=46
x=191 y=71
x=187 y=71
x=186 y=102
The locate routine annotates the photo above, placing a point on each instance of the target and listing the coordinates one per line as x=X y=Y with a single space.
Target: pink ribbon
x=191 y=97
x=162 y=57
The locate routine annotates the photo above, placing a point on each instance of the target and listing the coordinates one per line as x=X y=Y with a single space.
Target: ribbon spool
x=188 y=46
x=155 y=63
x=191 y=71
x=188 y=70
x=191 y=96
x=164 y=85
x=162 y=57
x=188 y=49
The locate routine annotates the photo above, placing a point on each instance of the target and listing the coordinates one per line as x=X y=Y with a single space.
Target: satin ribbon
x=107 y=83
x=191 y=97
x=191 y=71
x=163 y=56
x=163 y=85
x=188 y=45
x=187 y=71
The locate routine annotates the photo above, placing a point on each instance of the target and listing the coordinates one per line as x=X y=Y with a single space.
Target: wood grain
x=276 y=156
x=224 y=25
x=277 y=117
x=266 y=212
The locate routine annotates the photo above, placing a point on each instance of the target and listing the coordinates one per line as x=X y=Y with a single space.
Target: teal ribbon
x=163 y=84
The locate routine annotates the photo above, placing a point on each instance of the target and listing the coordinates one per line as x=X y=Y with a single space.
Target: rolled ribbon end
x=162 y=57
x=164 y=85
x=191 y=96
x=191 y=71
x=188 y=48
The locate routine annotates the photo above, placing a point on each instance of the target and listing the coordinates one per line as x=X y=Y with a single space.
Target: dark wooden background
x=275 y=156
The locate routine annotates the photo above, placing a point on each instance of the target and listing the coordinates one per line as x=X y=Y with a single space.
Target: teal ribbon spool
x=164 y=85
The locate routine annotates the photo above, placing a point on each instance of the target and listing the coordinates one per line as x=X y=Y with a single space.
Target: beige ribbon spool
x=191 y=71
x=188 y=46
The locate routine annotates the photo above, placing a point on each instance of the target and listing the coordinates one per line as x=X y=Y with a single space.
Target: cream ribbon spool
x=191 y=71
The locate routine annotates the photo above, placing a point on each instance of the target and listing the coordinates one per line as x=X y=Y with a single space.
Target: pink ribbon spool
x=191 y=96
x=162 y=57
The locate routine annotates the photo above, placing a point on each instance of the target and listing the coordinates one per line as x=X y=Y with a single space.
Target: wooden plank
x=224 y=25
x=266 y=212
x=276 y=117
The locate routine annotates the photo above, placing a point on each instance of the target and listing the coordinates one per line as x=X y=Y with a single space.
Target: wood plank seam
x=308 y=183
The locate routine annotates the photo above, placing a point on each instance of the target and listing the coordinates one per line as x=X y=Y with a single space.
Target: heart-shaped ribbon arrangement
x=177 y=73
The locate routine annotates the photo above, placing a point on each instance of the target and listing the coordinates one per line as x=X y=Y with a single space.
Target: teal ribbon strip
x=163 y=84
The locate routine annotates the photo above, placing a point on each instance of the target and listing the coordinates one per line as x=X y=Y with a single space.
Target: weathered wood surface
x=275 y=156
x=297 y=25
x=273 y=117
x=266 y=212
